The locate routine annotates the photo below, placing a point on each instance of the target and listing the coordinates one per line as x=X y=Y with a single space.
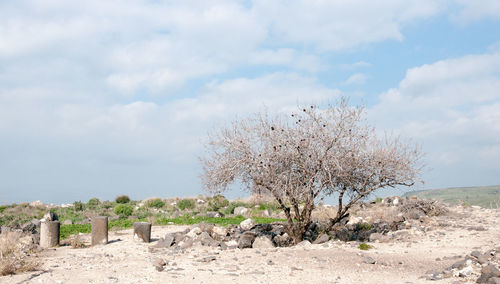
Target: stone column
x=99 y=230
x=49 y=234
x=142 y=231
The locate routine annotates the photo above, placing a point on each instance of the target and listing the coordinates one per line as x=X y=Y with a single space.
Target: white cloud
x=476 y=10
x=452 y=106
x=356 y=79
x=336 y=25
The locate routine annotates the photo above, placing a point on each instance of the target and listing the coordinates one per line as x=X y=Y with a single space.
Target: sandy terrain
x=406 y=259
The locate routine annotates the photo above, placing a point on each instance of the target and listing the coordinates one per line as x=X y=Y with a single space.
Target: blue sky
x=100 y=98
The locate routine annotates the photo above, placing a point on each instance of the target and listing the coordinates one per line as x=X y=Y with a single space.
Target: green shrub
x=78 y=206
x=364 y=246
x=217 y=202
x=157 y=203
x=185 y=204
x=364 y=226
x=93 y=202
x=270 y=206
x=123 y=210
x=378 y=200
x=122 y=199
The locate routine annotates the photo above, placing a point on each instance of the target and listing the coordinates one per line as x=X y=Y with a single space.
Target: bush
x=185 y=204
x=157 y=203
x=123 y=210
x=364 y=246
x=78 y=206
x=93 y=202
x=122 y=199
x=364 y=226
x=217 y=202
x=14 y=258
x=271 y=206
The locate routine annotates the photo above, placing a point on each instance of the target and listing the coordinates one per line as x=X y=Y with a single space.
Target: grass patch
x=364 y=246
x=74 y=229
x=364 y=226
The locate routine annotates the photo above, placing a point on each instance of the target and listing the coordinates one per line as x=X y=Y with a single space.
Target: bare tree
x=303 y=157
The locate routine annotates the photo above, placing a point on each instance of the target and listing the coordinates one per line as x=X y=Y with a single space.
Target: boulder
x=231 y=244
x=186 y=243
x=194 y=232
x=246 y=240
x=262 y=242
x=204 y=227
x=241 y=211
x=29 y=227
x=206 y=240
x=50 y=216
x=323 y=238
x=488 y=272
x=247 y=224
x=494 y=280
x=282 y=240
x=219 y=233
x=165 y=242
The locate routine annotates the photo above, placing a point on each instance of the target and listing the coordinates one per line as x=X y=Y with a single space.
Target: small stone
x=369 y=260
x=67 y=222
x=207 y=259
x=323 y=238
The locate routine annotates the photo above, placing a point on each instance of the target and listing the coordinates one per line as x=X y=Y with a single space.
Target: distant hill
x=484 y=196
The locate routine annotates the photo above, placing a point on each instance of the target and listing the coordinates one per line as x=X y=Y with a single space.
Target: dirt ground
x=407 y=258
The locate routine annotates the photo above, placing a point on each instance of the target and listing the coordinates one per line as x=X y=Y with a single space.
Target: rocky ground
x=461 y=246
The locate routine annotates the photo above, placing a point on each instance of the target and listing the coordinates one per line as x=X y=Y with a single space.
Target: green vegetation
x=217 y=202
x=378 y=200
x=364 y=246
x=67 y=230
x=122 y=199
x=186 y=204
x=484 y=196
x=78 y=206
x=364 y=226
x=270 y=205
x=156 y=203
x=123 y=210
x=93 y=202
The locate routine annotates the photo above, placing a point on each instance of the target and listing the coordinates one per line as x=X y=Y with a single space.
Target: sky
x=102 y=98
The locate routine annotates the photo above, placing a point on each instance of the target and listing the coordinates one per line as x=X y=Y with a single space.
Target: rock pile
x=481 y=267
